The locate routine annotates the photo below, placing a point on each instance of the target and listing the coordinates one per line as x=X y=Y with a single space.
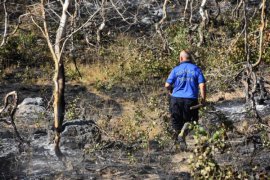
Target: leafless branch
x=13 y=93
x=191 y=12
x=6 y=24
x=121 y=14
x=78 y=29
x=102 y=25
x=164 y=11
x=60 y=30
x=204 y=16
x=263 y=19
x=6 y=35
x=186 y=6
x=160 y=23
x=246 y=34
x=12 y=113
x=73 y=26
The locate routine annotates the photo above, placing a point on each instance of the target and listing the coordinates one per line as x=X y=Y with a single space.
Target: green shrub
x=24 y=49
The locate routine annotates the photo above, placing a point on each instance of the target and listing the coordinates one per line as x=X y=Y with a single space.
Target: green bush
x=24 y=49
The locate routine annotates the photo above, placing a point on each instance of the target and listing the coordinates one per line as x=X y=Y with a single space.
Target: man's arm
x=169 y=88
x=203 y=92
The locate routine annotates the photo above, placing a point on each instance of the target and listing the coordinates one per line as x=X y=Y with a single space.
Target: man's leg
x=176 y=116
x=188 y=117
x=194 y=113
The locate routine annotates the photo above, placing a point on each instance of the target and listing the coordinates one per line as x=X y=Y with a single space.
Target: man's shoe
x=182 y=143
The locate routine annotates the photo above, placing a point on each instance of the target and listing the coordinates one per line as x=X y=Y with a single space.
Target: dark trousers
x=181 y=113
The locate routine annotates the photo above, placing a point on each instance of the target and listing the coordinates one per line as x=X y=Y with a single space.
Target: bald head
x=184 y=56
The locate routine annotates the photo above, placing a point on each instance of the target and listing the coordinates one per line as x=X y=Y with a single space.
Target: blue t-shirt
x=185 y=79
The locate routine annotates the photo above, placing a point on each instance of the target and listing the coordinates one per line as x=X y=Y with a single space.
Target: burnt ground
x=111 y=158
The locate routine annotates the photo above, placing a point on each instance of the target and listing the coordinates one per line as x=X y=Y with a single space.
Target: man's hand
x=203 y=102
x=203 y=93
x=169 y=88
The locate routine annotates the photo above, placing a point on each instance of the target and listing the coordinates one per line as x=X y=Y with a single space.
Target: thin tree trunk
x=203 y=14
x=59 y=78
x=59 y=102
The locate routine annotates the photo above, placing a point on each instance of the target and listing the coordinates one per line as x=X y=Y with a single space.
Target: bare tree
x=59 y=75
x=57 y=49
x=249 y=78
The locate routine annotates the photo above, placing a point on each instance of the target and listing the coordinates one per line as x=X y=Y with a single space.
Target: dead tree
x=9 y=109
x=59 y=75
x=249 y=75
x=57 y=49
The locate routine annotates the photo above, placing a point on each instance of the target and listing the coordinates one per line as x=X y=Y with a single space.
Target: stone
x=32 y=101
x=78 y=133
x=29 y=111
x=31 y=108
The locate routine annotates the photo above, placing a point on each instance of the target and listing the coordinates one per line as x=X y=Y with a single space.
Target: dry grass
x=92 y=73
x=137 y=118
x=236 y=95
x=9 y=70
x=117 y=57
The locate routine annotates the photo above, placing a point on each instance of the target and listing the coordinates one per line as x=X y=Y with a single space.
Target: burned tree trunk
x=59 y=102
x=59 y=77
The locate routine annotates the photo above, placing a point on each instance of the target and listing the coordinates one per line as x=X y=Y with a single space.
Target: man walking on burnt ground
x=184 y=84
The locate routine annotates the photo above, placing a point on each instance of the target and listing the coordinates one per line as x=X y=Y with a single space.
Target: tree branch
x=78 y=29
x=6 y=24
x=261 y=34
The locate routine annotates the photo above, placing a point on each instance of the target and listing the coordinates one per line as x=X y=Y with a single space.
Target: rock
x=6 y=166
x=38 y=133
x=30 y=108
x=7 y=148
x=33 y=101
x=9 y=152
x=77 y=133
x=147 y=20
x=29 y=111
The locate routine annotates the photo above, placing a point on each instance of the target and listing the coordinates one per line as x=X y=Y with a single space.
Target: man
x=183 y=84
